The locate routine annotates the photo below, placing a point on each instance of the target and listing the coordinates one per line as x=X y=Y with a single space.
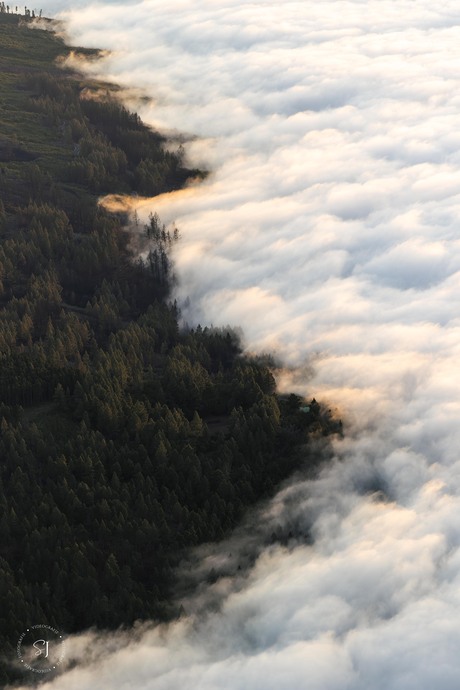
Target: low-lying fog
x=328 y=230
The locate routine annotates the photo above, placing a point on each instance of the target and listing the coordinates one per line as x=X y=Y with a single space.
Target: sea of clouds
x=328 y=229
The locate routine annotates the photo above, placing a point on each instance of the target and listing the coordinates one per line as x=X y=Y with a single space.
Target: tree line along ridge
x=124 y=439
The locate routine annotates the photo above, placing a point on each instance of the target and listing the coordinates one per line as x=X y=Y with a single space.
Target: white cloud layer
x=329 y=231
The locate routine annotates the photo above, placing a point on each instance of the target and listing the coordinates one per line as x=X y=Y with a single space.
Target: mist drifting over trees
x=328 y=231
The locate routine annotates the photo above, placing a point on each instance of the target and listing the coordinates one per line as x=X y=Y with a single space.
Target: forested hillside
x=122 y=439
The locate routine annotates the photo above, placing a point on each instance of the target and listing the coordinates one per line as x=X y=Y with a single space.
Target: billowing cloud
x=328 y=230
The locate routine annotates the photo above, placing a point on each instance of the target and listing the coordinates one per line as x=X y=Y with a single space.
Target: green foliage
x=122 y=439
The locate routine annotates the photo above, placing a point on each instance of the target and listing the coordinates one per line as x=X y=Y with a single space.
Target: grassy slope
x=23 y=51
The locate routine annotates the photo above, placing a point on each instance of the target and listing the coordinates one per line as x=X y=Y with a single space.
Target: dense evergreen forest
x=123 y=440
